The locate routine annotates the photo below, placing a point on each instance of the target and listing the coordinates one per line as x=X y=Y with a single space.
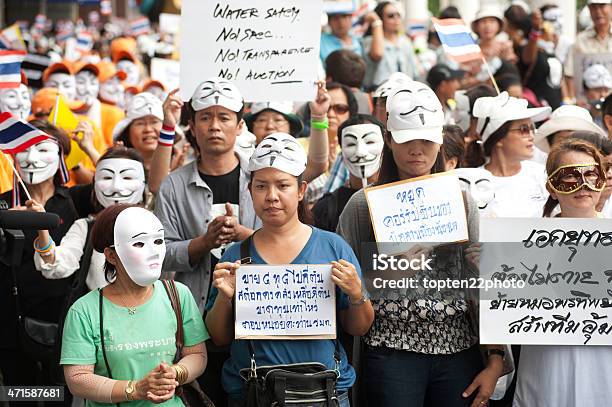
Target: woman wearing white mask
x=16 y=101
x=120 y=178
x=118 y=342
x=278 y=192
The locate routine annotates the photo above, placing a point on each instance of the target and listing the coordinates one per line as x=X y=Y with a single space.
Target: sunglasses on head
x=568 y=179
x=339 y=108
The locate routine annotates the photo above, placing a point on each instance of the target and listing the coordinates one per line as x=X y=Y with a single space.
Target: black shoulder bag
x=298 y=384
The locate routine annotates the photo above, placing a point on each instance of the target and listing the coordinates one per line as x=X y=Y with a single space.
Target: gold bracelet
x=181 y=373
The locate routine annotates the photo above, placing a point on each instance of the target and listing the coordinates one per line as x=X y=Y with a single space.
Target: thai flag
x=10 y=68
x=63 y=35
x=10 y=38
x=17 y=136
x=139 y=26
x=84 y=42
x=106 y=8
x=457 y=40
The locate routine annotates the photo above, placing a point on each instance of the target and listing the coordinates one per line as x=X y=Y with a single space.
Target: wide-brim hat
x=566 y=117
x=489 y=10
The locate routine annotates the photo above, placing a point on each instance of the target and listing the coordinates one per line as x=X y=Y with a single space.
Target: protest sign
x=269 y=49
x=292 y=301
x=167 y=71
x=581 y=63
x=423 y=209
x=565 y=298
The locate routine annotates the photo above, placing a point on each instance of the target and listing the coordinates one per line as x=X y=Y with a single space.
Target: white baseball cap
x=141 y=105
x=597 y=76
x=217 y=91
x=493 y=112
x=414 y=112
x=566 y=117
x=280 y=151
x=395 y=79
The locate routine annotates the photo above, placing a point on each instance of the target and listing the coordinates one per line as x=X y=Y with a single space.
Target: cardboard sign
x=269 y=49
x=425 y=209
x=292 y=301
x=564 y=266
x=167 y=71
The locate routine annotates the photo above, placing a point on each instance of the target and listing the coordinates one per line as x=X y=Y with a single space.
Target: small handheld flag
x=10 y=68
x=457 y=40
x=139 y=26
x=17 y=136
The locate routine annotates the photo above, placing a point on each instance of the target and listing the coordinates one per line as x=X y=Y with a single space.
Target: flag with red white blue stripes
x=140 y=26
x=456 y=39
x=10 y=68
x=17 y=136
x=84 y=42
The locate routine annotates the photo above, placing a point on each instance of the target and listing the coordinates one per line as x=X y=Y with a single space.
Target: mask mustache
x=118 y=194
x=362 y=160
x=418 y=107
x=32 y=166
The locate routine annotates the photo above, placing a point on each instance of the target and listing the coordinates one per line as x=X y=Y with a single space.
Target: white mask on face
x=479 y=183
x=16 y=101
x=112 y=91
x=119 y=180
x=39 y=162
x=87 y=87
x=131 y=70
x=362 y=146
x=280 y=151
x=139 y=243
x=64 y=83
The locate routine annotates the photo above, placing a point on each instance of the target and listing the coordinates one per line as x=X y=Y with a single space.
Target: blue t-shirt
x=321 y=248
x=330 y=43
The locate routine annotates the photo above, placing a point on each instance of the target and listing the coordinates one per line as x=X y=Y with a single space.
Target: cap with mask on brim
x=142 y=105
x=566 y=117
x=493 y=112
x=280 y=151
x=414 y=112
x=395 y=79
x=217 y=91
x=284 y=108
x=597 y=76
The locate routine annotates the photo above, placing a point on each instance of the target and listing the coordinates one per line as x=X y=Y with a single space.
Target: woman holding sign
x=421 y=349
x=278 y=191
x=567 y=376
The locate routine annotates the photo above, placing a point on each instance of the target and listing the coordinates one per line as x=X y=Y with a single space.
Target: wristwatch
x=362 y=300
x=499 y=352
x=130 y=389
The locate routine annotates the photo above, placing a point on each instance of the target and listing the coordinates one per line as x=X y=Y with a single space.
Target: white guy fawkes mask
x=87 y=87
x=16 y=101
x=280 y=151
x=479 y=183
x=119 y=180
x=112 y=91
x=139 y=243
x=216 y=92
x=131 y=71
x=362 y=146
x=39 y=162
x=64 y=83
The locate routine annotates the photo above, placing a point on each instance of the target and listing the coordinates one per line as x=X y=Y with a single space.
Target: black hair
x=360 y=118
x=346 y=67
x=449 y=12
x=188 y=114
x=517 y=17
x=304 y=213
x=379 y=10
x=474 y=156
x=603 y=144
x=507 y=80
x=495 y=137
x=350 y=97
x=454 y=144
x=606 y=109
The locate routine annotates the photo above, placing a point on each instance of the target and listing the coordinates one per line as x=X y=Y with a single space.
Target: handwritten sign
x=269 y=49
x=285 y=302
x=563 y=264
x=167 y=71
x=423 y=209
x=582 y=62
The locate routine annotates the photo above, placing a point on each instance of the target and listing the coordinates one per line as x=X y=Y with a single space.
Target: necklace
x=130 y=310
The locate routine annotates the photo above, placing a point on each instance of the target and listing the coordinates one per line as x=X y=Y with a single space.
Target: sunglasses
x=524 y=129
x=339 y=108
x=393 y=15
x=568 y=179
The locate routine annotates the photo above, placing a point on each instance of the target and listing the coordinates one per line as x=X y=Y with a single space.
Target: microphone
x=22 y=220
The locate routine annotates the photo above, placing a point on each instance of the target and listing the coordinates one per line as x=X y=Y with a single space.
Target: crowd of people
x=133 y=294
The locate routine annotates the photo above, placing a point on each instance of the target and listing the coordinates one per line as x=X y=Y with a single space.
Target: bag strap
x=175 y=301
x=101 y=298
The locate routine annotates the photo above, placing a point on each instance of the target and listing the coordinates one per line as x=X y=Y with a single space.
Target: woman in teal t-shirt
x=134 y=360
x=277 y=189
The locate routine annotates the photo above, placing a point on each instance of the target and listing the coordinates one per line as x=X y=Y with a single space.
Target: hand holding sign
x=345 y=276
x=224 y=278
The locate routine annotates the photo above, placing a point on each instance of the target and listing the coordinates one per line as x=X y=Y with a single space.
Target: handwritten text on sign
x=564 y=263
x=424 y=209
x=269 y=49
x=285 y=300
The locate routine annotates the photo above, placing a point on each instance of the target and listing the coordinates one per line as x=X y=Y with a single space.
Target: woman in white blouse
x=119 y=178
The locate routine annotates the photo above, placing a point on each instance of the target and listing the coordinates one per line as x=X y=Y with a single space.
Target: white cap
x=489 y=10
x=281 y=107
x=414 y=112
x=280 y=151
x=141 y=105
x=216 y=91
x=566 y=117
x=395 y=79
x=493 y=112
x=597 y=76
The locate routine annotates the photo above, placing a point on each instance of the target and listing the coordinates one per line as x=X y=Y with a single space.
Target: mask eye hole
x=139 y=245
x=159 y=241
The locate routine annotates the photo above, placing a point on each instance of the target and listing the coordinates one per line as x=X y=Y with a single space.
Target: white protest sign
x=292 y=301
x=167 y=71
x=563 y=265
x=423 y=209
x=169 y=23
x=269 y=49
x=582 y=62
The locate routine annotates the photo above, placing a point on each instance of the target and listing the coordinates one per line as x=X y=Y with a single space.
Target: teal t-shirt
x=135 y=344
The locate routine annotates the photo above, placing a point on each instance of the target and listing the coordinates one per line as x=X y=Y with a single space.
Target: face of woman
x=338 y=110
x=268 y=122
x=414 y=158
x=144 y=133
x=276 y=196
x=392 y=20
x=582 y=202
x=518 y=144
x=487 y=28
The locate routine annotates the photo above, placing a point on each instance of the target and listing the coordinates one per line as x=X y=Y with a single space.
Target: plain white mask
x=119 y=180
x=479 y=183
x=64 y=83
x=87 y=87
x=16 y=101
x=131 y=70
x=139 y=243
x=112 y=91
x=39 y=162
x=362 y=146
